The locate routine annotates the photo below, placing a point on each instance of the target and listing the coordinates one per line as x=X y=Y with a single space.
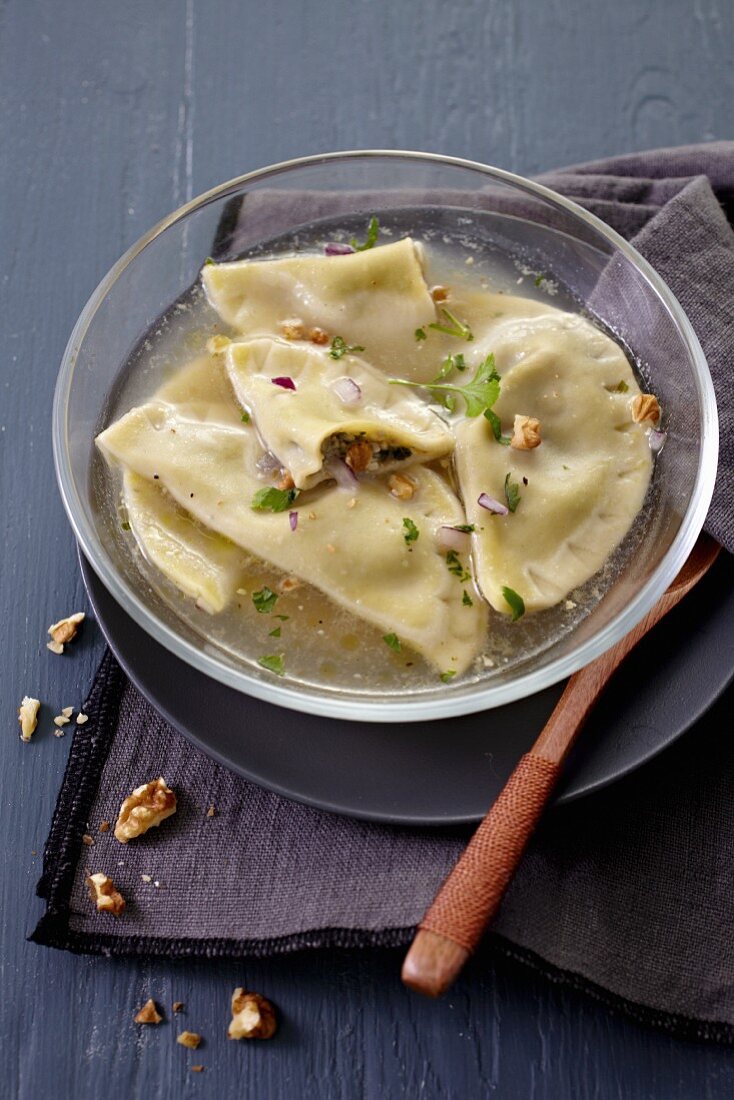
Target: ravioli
x=357 y=555
x=375 y=299
x=586 y=481
x=204 y=565
x=338 y=410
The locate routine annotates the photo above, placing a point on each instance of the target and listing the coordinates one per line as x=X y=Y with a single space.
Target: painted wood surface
x=113 y=112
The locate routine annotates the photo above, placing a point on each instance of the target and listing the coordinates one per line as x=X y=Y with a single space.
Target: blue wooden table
x=112 y=113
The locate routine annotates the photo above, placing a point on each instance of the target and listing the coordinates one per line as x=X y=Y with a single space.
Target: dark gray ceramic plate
x=448 y=771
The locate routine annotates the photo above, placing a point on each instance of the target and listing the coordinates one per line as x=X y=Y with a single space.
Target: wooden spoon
x=471 y=895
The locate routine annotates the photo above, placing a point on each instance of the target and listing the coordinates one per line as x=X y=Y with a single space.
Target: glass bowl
x=516 y=220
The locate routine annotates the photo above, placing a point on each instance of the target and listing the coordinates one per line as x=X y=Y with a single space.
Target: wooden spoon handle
x=471 y=895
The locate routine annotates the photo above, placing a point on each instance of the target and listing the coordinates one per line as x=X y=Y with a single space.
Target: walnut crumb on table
x=65 y=630
x=103 y=893
x=147 y=806
x=210 y=812
x=28 y=716
x=197 y=1069
x=189 y=1039
x=253 y=1017
x=148 y=1014
x=178 y=1006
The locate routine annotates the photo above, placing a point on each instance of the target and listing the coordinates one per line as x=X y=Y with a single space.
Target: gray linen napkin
x=626 y=894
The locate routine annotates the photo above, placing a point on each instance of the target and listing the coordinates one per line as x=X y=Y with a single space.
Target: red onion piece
x=344 y=476
x=656 y=439
x=347 y=390
x=333 y=248
x=269 y=464
x=449 y=538
x=284 y=381
x=492 y=505
x=293 y=520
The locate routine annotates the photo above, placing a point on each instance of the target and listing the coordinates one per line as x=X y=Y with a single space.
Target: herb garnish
x=372 y=230
x=274 y=663
x=453 y=564
x=516 y=603
x=467 y=600
x=209 y=261
x=283 y=618
x=496 y=425
x=621 y=387
x=420 y=334
x=512 y=493
x=275 y=633
x=273 y=500
x=339 y=348
x=264 y=600
x=393 y=641
x=479 y=394
x=453 y=326
x=465 y=528
x=447 y=677
x=539 y=279
x=411 y=532
x=245 y=418
x=125 y=525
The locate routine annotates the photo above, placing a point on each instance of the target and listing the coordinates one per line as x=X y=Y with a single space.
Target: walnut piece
x=197 y=1069
x=318 y=336
x=189 y=1039
x=358 y=456
x=146 y=806
x=216 y=345
x=401 y=487
x=178 y=1006
x=292 y=328
x=525 y=433
x=439 y=293
x=289 y=584
x=148 y=1014
x=104 y=826
x=103 y=893
x=286 y=481
x=65 y=630
x=645 y=407
x=253 y=1017
x=28 y=716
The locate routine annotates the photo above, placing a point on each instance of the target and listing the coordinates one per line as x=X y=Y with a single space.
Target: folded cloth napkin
x=626 y=895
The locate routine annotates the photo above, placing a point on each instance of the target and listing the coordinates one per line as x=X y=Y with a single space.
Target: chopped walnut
x=88 y=840
x=55 y=647
x=197 y=1069
x=401 y=487
x=252 y=1016
x=292 y=329
x=318 y=336
x=28 y=716
x=358 y=456
x=525 y=433
x=439 y=293
x=216 y=345
x=210 y=812
x=65 y=630
x=146 y=806
x=148 y=1014
x=61 y=720
x=286 y=481
x=178 y=1006
x=288 y=584
x=81 y=719
x=104 y=826
x=189 y=1039
x=645 y=407
x=102 y=891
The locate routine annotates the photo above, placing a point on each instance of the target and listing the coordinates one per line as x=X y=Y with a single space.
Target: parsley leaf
x=452 y=326
x=420 y=334
x=512 y=493
x=245 y=418
x=465 y=528
x=273 y=500
x=539 y=280
x=264 y=600
x=372 y=230
x=125 y=525
x=275 y=633
x=209 y=261
x=453 y=564
x=496 y=425
x=339 y=348
x=467 y=600
x=479 y=394
x=515 y=603
x=621 y=387
x=447 y=677
x=274 y=663
x=411 y=532
x=393 y=641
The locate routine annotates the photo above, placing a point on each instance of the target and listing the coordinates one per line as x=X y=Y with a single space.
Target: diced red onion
x=344 y=476
x=449 y=538
x=293 y=520
x=347 y=390
x=284 y=381
x=656 y=439
x=492 y=505
x=333 y=248
x=269 y=464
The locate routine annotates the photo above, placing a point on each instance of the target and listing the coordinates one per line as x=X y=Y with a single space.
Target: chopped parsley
x=479 y=394
x=273 y=663
x=125 y=525
x=411 y=532
x=452 y=326
x=420 y=334
x=465 y=528
x=393 y=641
x=273 y=500
x=283 y=618
x=245 y=418
x=264 y=600
x=209 y=261
x=512 y=493
x=454 y=565
x=621 y=387
x=539 y=280
x=515 y=603
x=467 y=600
x=496 y=425
x=340 y=348
x=371 y=240
x=275 y=633
x=447 y=677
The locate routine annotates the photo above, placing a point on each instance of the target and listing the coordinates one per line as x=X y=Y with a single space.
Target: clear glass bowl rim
x=451 y=701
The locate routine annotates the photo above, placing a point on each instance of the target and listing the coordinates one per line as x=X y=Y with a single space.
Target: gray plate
x=447 y=771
